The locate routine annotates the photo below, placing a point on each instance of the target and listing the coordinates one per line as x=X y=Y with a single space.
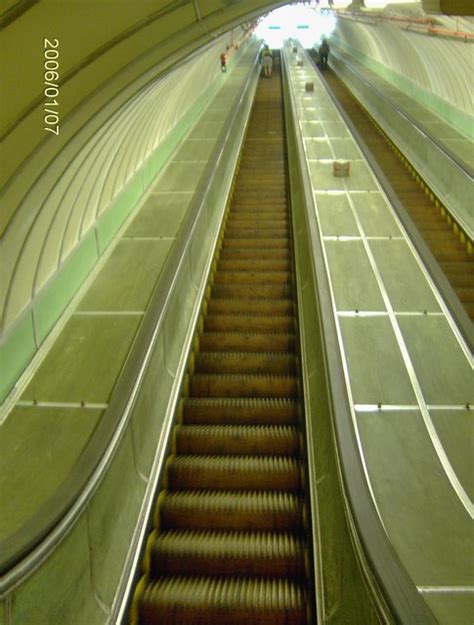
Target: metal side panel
x=366 y=355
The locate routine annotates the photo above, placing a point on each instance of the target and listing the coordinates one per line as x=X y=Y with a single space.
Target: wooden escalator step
x=212 y=600
x=248 y=341
x=246 y=411
x=200 y=552
x=242 y=385
x=254 y=440
x=244 y=362
x=262 y=306
x=231 y=510
x=253 y=277
x=201 y=472
x=241 y=322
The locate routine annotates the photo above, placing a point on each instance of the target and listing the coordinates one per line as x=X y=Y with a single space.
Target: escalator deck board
x=229 y=543
x=437 y=231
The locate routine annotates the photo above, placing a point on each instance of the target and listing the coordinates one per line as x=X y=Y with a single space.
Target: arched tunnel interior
x=236 y=302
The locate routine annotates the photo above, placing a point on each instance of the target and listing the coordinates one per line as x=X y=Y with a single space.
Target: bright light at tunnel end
x=295 y=21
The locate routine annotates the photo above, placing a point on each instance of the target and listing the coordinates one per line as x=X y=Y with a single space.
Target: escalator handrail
x=454 y=158
x=24 y=552
x=399 y=591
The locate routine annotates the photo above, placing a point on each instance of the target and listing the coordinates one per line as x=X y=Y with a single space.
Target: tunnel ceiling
x=106 y=48
x=111 y=55
x=108 y=51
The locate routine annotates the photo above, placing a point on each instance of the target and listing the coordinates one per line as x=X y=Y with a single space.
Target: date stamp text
x=51 y=85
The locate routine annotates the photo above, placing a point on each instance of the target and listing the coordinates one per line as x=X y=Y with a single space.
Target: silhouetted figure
x=323 y=54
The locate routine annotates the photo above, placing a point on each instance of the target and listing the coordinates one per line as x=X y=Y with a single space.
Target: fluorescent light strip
x=148 y=238
x=172 y=192
x=445 y=589
x=385 y=408
x=59 y=404
x=108 y=313
x=362 y=313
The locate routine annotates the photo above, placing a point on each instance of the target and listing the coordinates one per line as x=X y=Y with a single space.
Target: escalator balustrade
x=229 y=540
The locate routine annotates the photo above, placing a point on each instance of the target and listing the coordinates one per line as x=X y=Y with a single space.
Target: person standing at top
x=323 y=54
x=266 y=58
x=223 y=62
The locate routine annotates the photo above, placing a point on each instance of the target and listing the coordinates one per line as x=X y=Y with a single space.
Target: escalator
x=444 y=243
x=230 y=525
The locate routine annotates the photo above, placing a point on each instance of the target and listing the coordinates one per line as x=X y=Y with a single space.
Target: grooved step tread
x=259 y=291
x=195 y=552
x=206 y=600
x=274 y=166
x=277 y=209
x=445 y=254
x=237 y=440
x=200 y=472
x=261 y=411
x=246 y=224
x=270 y=207
x=252 y=277
x=430 y=224
x=253 y=264
x=257 y=178
x=248 y=341
x=239 y=232
x=242 y=322
x=231 y=510
x=255 y=193
x=257 y=220
x=466 y=293
x=244 y=362
x=228 y=305
x=458 y=278
x=254 y=254
x=270 y=242
x=277 y=171
x=243 y=385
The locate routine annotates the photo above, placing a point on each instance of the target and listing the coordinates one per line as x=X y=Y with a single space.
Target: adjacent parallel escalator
x=452 y=255
x=229 y=540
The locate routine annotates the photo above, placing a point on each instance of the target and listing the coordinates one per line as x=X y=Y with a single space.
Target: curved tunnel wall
x=49 y=224
x=64 y=197
x=437 y=72
x=69 y=217
x=107 y=52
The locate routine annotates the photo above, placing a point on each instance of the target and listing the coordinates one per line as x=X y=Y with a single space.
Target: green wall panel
x=19 y=347
x=15 y=354
x=127 y=199
x=58 y=293
x=115 y=215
